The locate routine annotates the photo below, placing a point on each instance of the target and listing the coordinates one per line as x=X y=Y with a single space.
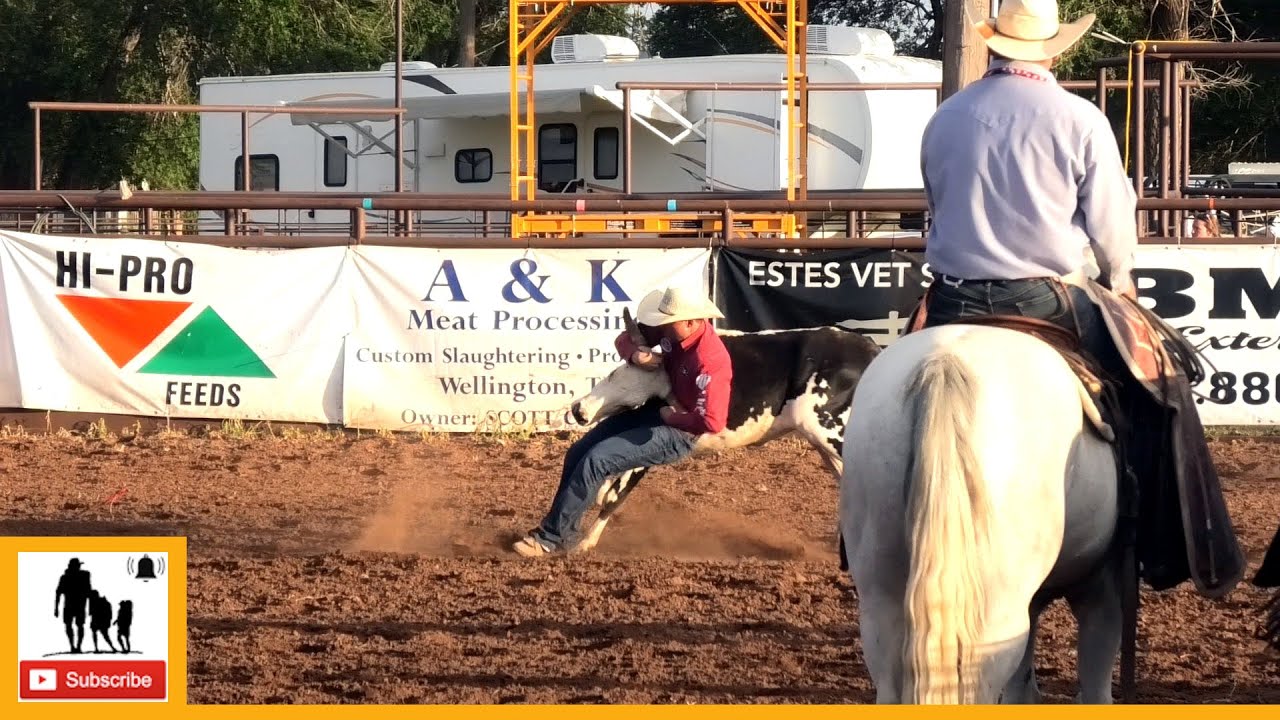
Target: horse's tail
x=947 y=509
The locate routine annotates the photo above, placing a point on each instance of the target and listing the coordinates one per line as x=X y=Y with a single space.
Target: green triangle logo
x=208 y=346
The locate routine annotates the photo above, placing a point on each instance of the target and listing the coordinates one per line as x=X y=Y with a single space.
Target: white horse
x=975 y=491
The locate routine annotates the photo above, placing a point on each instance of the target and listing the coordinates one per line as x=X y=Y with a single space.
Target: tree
x=467 y=33
x=156 y=51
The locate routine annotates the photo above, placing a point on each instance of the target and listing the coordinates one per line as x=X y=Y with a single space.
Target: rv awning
x=663 y=107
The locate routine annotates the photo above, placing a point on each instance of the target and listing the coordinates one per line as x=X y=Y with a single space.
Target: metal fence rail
x=856 y=219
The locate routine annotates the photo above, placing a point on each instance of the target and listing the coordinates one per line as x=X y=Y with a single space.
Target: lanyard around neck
x=1008 y=70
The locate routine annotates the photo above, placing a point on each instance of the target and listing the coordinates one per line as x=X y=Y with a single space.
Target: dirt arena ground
x=331 y=569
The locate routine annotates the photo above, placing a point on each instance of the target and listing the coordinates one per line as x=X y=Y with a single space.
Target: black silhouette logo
x=77 y=598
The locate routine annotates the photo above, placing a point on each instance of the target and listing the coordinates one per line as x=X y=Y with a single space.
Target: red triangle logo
x=121 y=327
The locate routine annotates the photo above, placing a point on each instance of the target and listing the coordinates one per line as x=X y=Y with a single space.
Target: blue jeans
x=635 y=438
x=1034 y=297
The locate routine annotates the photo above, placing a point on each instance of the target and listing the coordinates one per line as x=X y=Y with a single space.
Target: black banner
x=871 y=291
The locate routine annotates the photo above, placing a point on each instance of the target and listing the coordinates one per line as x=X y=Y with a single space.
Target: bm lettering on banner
x=1225 y=302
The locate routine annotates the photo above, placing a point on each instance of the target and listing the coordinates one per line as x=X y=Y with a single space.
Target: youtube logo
x=42 y=679
x=94 y=680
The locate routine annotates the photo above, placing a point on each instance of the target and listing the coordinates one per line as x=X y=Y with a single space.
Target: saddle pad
x=1139 y=344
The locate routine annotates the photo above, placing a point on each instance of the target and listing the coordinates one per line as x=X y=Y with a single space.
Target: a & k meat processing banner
x=1224 y=299
x=140 y=327
x=492 y=339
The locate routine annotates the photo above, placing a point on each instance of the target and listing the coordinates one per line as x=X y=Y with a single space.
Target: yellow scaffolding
x=533 y=24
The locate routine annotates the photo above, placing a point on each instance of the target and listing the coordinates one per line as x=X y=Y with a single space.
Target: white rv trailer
x=457 y=139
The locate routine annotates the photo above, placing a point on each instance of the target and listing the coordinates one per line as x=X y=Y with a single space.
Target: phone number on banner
x=1250 y=388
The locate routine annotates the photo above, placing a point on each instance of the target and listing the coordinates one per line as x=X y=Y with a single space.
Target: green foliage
x=697 y=30
x=156 y=51
x=1125 y=19
x=1231 y=123
x=1238 y=123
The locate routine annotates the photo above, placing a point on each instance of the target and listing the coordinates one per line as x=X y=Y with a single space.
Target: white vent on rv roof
x=846 y=40
x=593 y=48
x=408 y=65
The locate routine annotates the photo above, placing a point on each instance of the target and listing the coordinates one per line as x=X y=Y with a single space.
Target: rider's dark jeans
x=630 y=439
x=1040 y=298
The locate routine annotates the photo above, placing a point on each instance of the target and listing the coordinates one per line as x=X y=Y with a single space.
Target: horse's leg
x=610 y=498
x=1022 y=688
x=883 y=626
x=1096 y=607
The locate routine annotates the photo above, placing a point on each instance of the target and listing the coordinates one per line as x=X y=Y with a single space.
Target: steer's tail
x=947 y=511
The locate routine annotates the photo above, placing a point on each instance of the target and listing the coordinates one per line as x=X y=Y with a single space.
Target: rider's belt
x=1074 y=278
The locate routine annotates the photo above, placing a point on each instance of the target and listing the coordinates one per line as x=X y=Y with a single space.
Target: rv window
x=473 y=165
x=606 y=153
x=264 y=175
x=335 y=161
x=557 y=156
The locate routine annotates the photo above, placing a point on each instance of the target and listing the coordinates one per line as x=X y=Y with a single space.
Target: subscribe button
x=92 y=680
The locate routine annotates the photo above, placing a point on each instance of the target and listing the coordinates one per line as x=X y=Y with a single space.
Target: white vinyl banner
x=1225 y=301
x=183 y=330
x=492 y=339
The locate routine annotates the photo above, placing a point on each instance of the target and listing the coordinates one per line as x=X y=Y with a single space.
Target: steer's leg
x=611 y=496
x=828 y=440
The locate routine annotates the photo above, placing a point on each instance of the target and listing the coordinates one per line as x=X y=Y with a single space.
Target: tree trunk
x=964 y=54
x=466 y=33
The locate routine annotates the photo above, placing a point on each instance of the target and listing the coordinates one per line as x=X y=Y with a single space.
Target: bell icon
x=146 y=569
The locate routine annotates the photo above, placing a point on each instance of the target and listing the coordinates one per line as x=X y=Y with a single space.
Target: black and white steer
x=784 y=381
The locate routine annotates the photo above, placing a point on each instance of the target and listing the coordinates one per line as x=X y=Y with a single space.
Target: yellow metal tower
x=533 y=24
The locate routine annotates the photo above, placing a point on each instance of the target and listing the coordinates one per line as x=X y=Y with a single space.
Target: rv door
x=604 y=167
x=336 y=171
x=744 y=148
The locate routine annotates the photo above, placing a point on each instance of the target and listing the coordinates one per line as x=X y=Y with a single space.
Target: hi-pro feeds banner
x=141 y=327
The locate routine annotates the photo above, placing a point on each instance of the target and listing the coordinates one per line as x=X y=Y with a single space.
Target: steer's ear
x=633 y=330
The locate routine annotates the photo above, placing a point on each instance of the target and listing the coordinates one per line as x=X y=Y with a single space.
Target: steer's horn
x=633 y=330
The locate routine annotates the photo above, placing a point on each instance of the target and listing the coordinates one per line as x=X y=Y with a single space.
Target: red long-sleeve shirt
x=701 y=376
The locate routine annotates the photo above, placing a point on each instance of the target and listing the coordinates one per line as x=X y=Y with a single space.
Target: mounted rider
x=1024 y=182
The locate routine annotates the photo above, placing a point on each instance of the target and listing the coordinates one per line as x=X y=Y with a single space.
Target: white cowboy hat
x=675 y=304
x=1029 y=30
x=648 y=305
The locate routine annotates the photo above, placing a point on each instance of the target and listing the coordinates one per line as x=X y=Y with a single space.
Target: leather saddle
x=1099 y=406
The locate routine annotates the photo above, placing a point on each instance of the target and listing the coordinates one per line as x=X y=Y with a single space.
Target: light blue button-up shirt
x=1022 y=179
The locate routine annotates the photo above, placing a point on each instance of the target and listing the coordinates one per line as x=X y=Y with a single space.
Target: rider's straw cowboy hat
x=1029 y=30
x=663 y=307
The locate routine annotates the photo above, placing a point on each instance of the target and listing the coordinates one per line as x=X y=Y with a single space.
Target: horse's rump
x=1185 y=531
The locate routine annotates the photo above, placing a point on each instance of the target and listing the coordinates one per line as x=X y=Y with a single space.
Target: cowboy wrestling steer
x=785 y=381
